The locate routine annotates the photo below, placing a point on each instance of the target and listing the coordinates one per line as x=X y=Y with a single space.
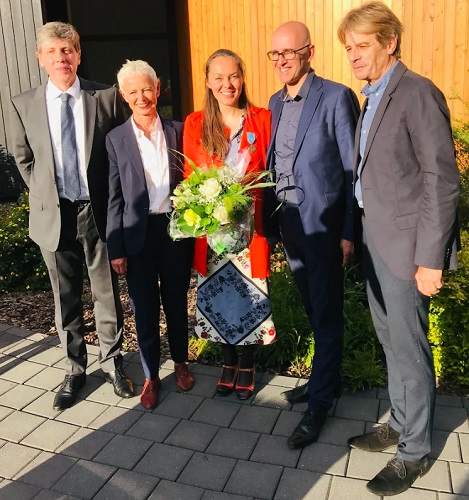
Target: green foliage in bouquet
x=21 y=264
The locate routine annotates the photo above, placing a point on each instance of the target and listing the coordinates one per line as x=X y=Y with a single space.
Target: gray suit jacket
x=34 y=156
x=410 y=181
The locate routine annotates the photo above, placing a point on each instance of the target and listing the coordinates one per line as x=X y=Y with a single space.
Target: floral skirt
x=232 y=307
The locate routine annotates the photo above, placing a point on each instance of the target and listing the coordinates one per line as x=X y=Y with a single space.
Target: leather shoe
x=123 y=386
x=300 y=394
x=184 y=379
x=307 y=431
x=68 y=392
x=150 y=393
x=398 y=476
x=381 y=439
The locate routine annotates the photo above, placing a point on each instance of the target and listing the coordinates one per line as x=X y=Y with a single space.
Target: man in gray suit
x=59 y=132
x=407 y=186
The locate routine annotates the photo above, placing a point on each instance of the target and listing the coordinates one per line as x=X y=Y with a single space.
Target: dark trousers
x=400 y=318
x=319 y=278
x=162 y=269
x=79 y=243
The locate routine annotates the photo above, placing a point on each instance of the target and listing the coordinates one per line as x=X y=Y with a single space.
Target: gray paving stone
x=444 y=400
x=117 y=420
x=219 y=495
x=84 y=479
x=324 y=458
x=163 y=461
x=284 y=382
x=437 y=478
x=255 y=419
x=384 y=411
x=178 y=405
x=50 y=435
x=19 y=332
x=269 y=396
x=204 y=385
x=4 y=412
x=20 y=396
x=10 y=343
x=192 y=435
x=18 y=425
x=286 y=423
x=20 y=371
x=303 y=485
x=127 y=485
x=99 y=391
x=363 y=465
x=464 y=442
x=43 y=406
x=350 y=489
x=167 y=490
x=45 y=470
x=207 y=471
x=26 y=349
x=15 y=457
x=49 y=357
x=154 y=427
x=82 y=413
x=5 y=386
x=274 y=450
x=338 y=430
x=449 y=496
x=123 y=451
x=211 y=371
x=134 y=403
x=233 y=443
x=4 y=327
x=7 y=363
x=14 y=490
x=216 y=412
x=451 y=419
x=465 y=402
x=357 y=408
x=415 y=494
x=254 y=479
x=445 y=446
x=135 y=372
x=85 y=443
x=54 y=495
x=49 y=379
x=459 y=476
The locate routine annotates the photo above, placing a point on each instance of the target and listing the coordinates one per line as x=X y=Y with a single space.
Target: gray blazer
x=32 y=149
x=410 y=181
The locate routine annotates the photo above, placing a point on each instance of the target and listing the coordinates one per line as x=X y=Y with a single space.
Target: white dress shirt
x=154 y=154
x=53 y=104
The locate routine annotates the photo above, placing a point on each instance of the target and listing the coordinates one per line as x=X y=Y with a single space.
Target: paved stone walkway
x=195 y=445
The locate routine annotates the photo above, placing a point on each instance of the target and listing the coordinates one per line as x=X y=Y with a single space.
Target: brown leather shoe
x=150 y=393
x=184 y=379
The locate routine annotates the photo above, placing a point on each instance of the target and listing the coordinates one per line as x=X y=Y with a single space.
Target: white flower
x=210 y=189
x=221 y=214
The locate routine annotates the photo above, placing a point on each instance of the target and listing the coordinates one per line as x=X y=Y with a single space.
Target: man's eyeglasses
x=289 y=54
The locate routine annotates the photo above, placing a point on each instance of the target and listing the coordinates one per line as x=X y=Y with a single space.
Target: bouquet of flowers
x=216 y=202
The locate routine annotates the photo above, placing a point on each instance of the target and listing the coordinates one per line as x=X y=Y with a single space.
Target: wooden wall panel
x=435 y=42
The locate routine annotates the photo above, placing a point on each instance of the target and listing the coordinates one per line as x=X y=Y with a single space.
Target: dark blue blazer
x=322 y=166
x=129 y=204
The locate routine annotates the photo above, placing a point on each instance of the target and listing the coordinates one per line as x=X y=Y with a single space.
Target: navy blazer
x=322 y=165
x=128 y=205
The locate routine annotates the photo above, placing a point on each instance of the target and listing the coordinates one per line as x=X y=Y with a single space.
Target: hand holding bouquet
x=216 y=202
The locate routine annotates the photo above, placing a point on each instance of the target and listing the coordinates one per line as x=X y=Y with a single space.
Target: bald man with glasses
x=311 y=156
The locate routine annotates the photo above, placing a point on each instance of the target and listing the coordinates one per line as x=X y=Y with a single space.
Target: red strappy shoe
x=226 y=388
x=245 y=392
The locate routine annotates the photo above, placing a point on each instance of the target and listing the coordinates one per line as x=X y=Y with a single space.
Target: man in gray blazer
x=407 y=185
x=59 y=132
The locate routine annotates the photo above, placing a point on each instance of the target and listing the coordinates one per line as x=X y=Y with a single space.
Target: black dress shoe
x=382 y=438
x=123 y=386
x=398 y=476
x=307 y=431
x=300 y=394
x=68 y=391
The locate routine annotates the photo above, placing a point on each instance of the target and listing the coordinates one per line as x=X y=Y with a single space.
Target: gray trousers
x=79 y=244
x=400 y=318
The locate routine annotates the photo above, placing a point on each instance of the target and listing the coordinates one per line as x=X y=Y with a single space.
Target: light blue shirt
x=373 y=94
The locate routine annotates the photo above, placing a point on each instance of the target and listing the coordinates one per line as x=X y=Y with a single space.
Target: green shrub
x=21 y=264
x=449 y=322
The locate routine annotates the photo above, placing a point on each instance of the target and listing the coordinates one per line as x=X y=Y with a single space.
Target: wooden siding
x=435 y=42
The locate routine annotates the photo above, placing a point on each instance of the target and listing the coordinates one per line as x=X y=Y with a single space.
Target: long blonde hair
x=213 y=134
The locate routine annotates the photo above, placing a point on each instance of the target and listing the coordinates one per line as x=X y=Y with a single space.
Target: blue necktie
x=69 y=150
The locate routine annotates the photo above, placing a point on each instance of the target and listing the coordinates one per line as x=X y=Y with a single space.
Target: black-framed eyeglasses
x=289 y=54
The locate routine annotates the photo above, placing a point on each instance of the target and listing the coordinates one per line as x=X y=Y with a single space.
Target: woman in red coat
x=233 y=305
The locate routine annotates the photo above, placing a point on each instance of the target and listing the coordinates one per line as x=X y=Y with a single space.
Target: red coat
x=258 y=122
